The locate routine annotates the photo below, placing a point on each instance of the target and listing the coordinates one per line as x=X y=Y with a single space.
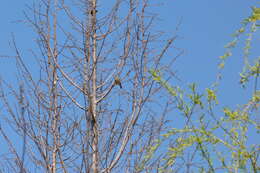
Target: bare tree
x=93 y=107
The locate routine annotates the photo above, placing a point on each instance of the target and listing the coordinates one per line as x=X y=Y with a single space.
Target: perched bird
x=118 y=82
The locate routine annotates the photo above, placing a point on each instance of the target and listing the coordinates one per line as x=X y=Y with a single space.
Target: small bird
x=118 y=82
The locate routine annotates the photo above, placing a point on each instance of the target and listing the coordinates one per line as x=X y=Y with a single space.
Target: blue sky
x=205 y=28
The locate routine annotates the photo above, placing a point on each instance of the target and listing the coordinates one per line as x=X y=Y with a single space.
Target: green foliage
x=248 y=28
x=195 y=97
x=149 y=155
x=228 y=132
x=157 y=77
x=211 y=96
x=255 y=15
x=219 y=140
x=256 y=97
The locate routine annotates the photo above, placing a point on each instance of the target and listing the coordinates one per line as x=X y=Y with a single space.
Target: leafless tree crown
x=93 y=106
